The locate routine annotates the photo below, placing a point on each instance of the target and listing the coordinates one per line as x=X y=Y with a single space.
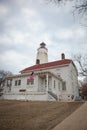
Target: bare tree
x=84 y=89
x=80 y=6
x=82 y=62
x=3 y=75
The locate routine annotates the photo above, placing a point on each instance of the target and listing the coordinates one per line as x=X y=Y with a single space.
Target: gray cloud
x=25 y=24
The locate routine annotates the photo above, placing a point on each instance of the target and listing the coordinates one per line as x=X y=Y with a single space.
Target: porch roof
x=36 y=73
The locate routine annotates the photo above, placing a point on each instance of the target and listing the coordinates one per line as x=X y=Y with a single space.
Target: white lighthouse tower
x=42 y=56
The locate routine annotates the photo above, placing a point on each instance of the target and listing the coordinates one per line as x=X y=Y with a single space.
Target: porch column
x=37 y=83
x=47 y=81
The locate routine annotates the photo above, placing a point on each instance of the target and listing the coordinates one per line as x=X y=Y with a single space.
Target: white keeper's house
x=56 y=80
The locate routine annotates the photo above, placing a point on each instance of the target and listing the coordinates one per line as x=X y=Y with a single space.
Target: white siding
x=67 y=73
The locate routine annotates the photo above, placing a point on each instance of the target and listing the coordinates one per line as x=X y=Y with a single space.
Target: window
x=7 y=83
x=54 y=84
x=15 y=82
x=58 y=72
x=64 y=86
x=19 y=82
x=58 y=85
x=30 y=82
x=45 y=83
x=11 y=82
x=27 y=81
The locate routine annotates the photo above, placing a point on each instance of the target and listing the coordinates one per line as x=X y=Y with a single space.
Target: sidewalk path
x=76 y=121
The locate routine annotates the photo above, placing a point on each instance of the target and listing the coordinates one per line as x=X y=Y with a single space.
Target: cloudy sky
x=24 y=24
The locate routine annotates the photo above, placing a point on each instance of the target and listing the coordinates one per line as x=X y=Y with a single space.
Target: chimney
x=37 y=61
x=62 y=56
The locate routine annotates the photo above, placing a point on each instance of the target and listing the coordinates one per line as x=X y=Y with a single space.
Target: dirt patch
x=32 y=115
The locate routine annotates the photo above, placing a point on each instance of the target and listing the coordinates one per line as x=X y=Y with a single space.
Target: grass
x=34 y=115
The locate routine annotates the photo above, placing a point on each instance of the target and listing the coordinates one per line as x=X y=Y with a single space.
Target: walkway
x=76 y=121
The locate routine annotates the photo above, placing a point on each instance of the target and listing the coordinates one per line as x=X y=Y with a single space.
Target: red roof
x=47 y=65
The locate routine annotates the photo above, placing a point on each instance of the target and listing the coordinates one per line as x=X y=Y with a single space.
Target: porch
x=48 y=82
